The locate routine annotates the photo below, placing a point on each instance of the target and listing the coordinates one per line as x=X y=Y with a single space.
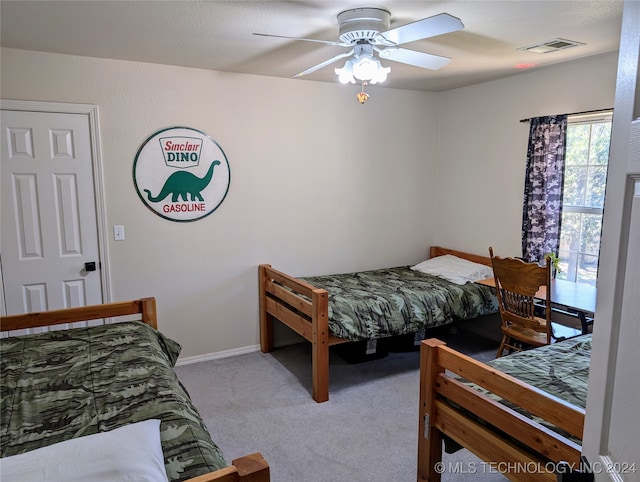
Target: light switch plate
x=118 y=232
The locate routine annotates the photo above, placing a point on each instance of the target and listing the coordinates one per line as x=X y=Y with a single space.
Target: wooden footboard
x=507 y=441
x=250 y=468
x=145 y=307
x=303 y=308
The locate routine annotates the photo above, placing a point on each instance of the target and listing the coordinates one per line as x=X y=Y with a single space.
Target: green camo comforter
x=69 y=383
x=561 y=369
x=397 y=301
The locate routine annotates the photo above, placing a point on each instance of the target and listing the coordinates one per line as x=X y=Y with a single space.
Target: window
x=585 y=177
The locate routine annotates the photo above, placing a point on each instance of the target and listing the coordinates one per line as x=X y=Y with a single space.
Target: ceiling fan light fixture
x=380 y=74
x=364 y=68
x=345 y=74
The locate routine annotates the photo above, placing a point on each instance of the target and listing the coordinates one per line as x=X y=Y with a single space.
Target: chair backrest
x=516 y=285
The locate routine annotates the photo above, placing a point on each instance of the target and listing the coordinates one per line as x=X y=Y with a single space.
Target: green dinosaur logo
x=182 y=183
x=173 y=178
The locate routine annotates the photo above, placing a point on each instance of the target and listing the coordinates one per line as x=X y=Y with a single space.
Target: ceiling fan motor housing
x=362 y=24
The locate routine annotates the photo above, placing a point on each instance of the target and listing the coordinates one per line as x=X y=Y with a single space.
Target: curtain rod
x=576 y=113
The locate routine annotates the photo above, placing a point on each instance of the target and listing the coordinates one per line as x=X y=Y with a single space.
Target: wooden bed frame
x=538 y=451
x=250 y=468
x=304 y=308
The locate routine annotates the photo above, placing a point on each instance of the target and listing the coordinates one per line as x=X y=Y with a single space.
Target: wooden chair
x=523 y=323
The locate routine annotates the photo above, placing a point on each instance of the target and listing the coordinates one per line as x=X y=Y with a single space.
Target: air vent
x=551 y=46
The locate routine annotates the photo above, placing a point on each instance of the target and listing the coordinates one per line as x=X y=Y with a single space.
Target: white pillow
x=454 y=269
x=128 y=453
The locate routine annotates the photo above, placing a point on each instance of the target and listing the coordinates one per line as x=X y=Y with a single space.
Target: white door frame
x=96 y=158
x=614 y=351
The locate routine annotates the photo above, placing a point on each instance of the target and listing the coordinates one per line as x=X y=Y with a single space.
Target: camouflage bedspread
x=398 y=301
x=69 y=383
x=561 y=369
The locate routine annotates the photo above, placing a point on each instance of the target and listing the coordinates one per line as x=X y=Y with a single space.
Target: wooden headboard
x=146 y=307
x=476 y=258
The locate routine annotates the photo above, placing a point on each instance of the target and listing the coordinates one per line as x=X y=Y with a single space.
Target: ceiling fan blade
x=325 y=63
x=425 y=28
x=411 y=57
x=326 y=42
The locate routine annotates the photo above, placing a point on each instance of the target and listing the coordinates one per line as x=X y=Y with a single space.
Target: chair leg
x=501 y=349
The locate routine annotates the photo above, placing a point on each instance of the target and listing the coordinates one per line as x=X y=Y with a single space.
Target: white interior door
x=49 y=226
x=611 y=438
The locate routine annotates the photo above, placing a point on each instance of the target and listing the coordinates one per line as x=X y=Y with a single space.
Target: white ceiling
x=218 y=34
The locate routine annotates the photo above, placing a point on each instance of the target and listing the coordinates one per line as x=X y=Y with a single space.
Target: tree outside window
x=585 y=177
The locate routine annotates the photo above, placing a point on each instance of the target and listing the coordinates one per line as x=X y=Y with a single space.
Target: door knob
x=90 y=266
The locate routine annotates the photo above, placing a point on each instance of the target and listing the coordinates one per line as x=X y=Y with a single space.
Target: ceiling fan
x=366 y=30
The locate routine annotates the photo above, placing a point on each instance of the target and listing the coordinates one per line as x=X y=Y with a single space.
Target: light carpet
x=366 y=432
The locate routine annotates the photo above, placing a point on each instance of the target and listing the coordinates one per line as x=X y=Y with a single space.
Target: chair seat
x=526 y=335
x=559 y=332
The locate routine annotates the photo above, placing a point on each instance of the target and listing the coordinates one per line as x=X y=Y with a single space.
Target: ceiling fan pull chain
x=362 y=96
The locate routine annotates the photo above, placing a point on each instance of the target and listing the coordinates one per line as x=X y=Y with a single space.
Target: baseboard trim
x=217 y=355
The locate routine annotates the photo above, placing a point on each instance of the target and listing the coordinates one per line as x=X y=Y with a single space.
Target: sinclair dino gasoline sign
x=181 y=174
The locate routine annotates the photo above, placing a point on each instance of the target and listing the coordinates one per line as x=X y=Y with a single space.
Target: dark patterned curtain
x=542 y=209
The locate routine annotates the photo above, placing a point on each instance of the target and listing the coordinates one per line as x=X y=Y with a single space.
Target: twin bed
x=335 y=309
x=77 y=390
x=522 y=414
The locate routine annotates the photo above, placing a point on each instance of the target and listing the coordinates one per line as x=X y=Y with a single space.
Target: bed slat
x=295 y=284
x=488 y=446
x=293 y=320
x=290 y=298
x=525 y=430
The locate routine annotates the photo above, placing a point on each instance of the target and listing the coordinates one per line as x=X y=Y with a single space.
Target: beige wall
x=483 y=147
x=319 y=183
